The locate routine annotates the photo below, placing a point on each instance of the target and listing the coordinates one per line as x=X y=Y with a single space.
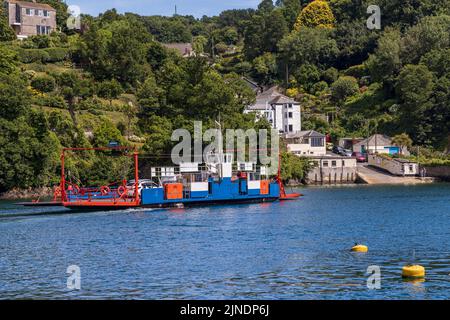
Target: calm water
x=290 y=250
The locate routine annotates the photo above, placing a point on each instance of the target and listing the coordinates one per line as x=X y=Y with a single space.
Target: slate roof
x=271 y=96
x=304 y=134
x=381 y=139
x=35 y=5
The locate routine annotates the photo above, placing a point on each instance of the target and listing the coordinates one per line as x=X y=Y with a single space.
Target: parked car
x=360 y=157
x=142 y=184
x=337 y=149
x=346 y=153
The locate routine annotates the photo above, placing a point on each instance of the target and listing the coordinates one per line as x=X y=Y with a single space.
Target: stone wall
x=441 y=172
x=340 y=175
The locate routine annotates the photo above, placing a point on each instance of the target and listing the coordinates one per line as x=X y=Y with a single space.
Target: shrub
x=57 y=54
x=41 y=41
x=43 y=83
x=343 y=88
x=357 y=71
x=33 y=55
x=49 y=100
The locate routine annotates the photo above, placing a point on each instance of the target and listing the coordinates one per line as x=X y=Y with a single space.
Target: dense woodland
x=114 y=80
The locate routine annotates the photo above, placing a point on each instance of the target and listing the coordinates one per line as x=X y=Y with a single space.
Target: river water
x=282 y=250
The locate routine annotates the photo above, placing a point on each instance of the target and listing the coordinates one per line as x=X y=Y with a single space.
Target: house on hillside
x=378 y=143
x=282 y=112
x=30 y=18
x=184 y=49
x=306 y=143
x=327 y=168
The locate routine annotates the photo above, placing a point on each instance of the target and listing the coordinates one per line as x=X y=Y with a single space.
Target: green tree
x=109 y=90
x=437 y=61
x=402 y=140
x=414 y=88
x=28 y=152
x=265 y=6
x=293 y=167
x=73 y=88
x=14 y=96
x=159 y=132
x=309 y=45
x=43 y=83
x=105 y=133
x=8 y=60
x=414 y=85
x=263 y=32
x=199 y=44
x=343 y=88
x=117 y=50
x=291 y=9
x=6 y=32
x=149 y=96
x=265 y=67
x=431 y=33
x=385 y=63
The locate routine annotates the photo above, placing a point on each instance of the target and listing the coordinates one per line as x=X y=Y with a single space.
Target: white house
x=378 y=143
x=306 y=143
x=282 y=112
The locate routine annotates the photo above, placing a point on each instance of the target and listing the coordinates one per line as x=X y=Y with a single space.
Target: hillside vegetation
x=114 y=80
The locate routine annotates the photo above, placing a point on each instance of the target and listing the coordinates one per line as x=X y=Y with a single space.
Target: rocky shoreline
x=31 y=193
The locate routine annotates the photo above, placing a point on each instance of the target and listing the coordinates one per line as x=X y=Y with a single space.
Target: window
x=290 y=114
x=29 y=12
x=291 y=128
x=40 y=13
x=333 y=163
x=46 y=13
x=325 y=163
x=43 y=29
x=316 y=142
x=290 y=105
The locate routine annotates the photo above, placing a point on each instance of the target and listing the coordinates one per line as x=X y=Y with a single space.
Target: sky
x=197 y=8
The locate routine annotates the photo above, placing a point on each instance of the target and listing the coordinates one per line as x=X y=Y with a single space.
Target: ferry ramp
x=371 y=175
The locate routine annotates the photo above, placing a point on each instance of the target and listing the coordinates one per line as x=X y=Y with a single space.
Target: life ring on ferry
x=121 y=191
x=73 y=188
x=57 y=192
x=104 y=190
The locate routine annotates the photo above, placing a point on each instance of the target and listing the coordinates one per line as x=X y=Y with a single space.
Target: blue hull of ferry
x=219 y=191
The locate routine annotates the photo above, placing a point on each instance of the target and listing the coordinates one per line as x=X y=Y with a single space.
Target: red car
x=360 y=157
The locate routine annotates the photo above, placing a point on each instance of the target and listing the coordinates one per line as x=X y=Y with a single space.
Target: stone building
x=30 y=18
x=332 y=170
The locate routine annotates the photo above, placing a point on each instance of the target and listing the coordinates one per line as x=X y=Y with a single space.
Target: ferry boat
x=217 y=181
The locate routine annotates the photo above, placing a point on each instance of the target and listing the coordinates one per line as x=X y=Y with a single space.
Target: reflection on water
x=289 y=250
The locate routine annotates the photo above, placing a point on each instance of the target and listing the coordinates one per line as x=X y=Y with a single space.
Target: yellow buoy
x=413 y=271
x=360 y=248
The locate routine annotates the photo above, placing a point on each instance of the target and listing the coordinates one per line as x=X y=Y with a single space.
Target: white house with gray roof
x=283 y=113
x=306 y=143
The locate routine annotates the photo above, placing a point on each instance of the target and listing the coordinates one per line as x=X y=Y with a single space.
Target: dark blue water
x=289 y=250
